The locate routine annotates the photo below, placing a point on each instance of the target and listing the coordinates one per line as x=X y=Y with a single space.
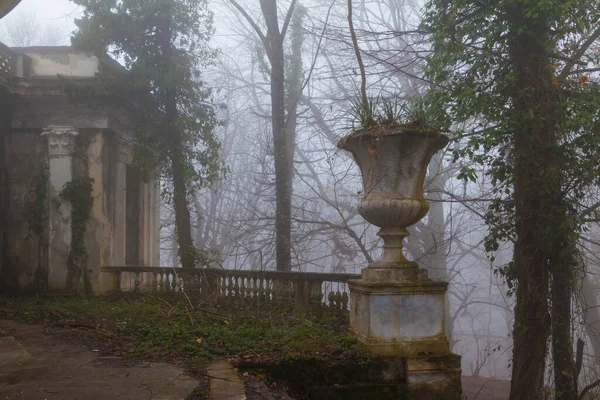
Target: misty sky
x=47 y=12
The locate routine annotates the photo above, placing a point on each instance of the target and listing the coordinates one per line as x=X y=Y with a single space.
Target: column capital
x=61 y=140
x=125 y=153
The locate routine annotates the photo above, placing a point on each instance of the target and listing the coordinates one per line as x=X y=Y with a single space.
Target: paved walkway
x=225 y=383
x=35 y=365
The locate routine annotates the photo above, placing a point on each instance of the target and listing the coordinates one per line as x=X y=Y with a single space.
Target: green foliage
x=39 y=191
x=132 y=32
x=157 y=327
x=393 y=111
x=78 y=194
x=475 y=80
x=362 y=113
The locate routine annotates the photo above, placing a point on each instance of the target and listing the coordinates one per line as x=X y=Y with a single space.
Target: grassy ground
x=165 y=328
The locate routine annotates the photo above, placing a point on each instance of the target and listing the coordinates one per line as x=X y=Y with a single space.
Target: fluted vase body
x=393 y=163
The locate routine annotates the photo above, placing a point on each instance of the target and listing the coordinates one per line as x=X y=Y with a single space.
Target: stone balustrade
x=6 y=63
x=306 y=291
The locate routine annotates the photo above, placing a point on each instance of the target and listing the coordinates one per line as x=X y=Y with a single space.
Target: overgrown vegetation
x=39 y=193
x=385 y=111
x=518 y=73
x=78 y=194
x=163 y=45
x=149 y=326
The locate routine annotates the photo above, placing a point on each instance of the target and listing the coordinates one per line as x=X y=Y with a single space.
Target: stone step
x=225 y=383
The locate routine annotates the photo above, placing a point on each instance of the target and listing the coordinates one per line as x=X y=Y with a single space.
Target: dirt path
x=37 y=365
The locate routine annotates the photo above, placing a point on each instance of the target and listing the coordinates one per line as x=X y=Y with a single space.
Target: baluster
x=236 y=287
x=266 y=291
x=161 y=283
x=228 y=289
x=243 y=287
x=255 y=283
x=260 y=290
x=168 y=280
x=345 y=300
x=338 y=300
x=331 y=299
x=276 y=290
x=220 y=286
x=180 y=282
x=154 y=282
x=252 y=291
x=136 y=283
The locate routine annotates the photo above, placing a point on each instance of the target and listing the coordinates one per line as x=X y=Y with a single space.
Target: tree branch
x=588 y=388
x=251 y=22
x=363 y=75
x=580 y=52
x=288 y=17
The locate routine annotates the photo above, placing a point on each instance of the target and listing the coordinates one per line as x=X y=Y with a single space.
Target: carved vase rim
x=390 y=130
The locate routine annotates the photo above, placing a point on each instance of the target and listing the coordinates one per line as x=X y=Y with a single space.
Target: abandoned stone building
x=57 y=153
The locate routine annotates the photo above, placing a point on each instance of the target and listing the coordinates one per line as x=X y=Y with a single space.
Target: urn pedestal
x=395 y=309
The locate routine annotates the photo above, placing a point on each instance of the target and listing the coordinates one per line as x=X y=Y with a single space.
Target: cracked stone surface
x=36 y=365
x=225 y=384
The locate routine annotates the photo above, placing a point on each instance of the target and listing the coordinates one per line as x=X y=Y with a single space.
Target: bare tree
x=24 y=29
x=283 y=142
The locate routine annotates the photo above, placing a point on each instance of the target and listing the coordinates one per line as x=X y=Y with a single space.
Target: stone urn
x=393 y=161
x=395 y=309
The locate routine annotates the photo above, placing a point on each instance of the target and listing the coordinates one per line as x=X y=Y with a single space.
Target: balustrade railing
x=306 y=291
x=6 y=63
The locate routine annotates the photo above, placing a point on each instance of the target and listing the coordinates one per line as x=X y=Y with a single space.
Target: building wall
x=45 y=129
x=39 y=224
x=27 y=226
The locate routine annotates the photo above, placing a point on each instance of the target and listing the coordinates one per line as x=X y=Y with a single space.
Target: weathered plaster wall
x=100 y=236
x=59 y=60
x=26 y=250
x=100 y=131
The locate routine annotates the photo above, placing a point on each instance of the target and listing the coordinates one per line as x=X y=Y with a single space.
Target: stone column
x=155 y=223
x=61 y=144
x=119 y=243
x=120 y=218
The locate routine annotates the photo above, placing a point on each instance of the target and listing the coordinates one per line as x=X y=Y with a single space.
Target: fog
x=235 y=217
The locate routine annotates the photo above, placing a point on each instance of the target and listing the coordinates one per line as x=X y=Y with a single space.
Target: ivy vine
x=39 y=192
x=78 y=194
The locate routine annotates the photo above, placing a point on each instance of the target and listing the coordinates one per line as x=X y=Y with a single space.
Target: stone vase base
x=399 y=317
x=434 y=377
x=405 y=319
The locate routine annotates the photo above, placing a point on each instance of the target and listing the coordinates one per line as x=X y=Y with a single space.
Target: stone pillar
x=61 y=144
x=120 y=219
x=119 y=244
x=155 y=223
x=150 y=222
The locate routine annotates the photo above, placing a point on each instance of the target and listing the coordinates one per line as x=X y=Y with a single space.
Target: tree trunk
x=529 y=61
x=589 y=288
x=565 y=382
x=283 y=187
x=182 y=212
x=434 y=236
